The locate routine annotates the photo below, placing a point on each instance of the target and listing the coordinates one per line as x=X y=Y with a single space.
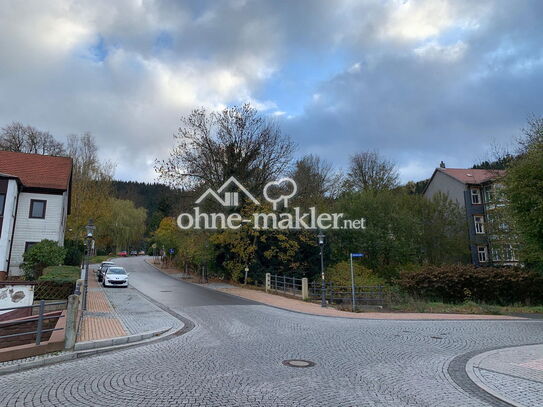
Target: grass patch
x=64 y=274
x=467 y=307
x=98 y=259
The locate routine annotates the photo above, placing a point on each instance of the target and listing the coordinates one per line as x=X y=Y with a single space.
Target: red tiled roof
x=472 y=176
x=37 y=171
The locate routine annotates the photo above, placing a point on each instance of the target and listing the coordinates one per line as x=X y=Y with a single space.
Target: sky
x=417 y=81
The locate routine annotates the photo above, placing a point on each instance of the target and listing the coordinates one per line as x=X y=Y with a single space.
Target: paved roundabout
x=234 y=354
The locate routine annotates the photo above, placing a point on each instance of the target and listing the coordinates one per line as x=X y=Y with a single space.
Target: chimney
x=441 y=164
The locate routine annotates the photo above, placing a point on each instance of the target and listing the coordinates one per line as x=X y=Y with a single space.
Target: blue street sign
x=171 y=251
x=357 y=254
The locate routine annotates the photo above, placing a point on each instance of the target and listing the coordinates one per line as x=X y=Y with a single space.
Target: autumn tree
x=124 y=225
x=91 y=187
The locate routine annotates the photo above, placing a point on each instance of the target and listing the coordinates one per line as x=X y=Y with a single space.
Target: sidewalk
x=115 y=312
x=115 y=318
x=514 y=375
x=315 y=309
x=99 y=321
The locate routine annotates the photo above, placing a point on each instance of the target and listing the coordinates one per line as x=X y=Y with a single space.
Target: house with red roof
x=34 y=204
x=476 y=191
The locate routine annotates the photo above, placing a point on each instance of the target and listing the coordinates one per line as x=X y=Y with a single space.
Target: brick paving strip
x=514 y=375
x=99 y=321
x=315 y=309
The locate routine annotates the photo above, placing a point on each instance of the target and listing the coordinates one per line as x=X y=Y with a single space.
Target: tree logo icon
x=280 y=183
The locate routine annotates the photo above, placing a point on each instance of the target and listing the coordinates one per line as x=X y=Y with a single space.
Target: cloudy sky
x=419 y=81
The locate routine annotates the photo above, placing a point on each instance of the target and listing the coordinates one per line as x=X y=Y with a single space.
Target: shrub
x=340 y=275
x=74 y=252
x=459 y=283
x=43 y=254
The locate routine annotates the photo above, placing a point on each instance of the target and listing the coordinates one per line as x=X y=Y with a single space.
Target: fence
x=52 y=290
x=335 y=294
x=286 y=285
x=44 y=323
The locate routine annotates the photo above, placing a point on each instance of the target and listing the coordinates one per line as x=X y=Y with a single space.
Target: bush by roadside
x=461 y=283
x=41 y=255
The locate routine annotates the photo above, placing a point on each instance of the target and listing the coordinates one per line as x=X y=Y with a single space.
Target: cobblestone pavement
x=512 y=374
x=233 y=357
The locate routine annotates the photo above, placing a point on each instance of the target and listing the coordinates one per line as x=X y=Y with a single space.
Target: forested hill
x=159 y=200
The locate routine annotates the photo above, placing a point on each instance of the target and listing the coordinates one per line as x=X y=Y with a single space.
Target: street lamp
x=90 y=228
x=320 y=238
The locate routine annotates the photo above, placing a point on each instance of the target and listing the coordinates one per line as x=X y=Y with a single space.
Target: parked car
x=141 y=253
x=115 y=276
x=122 y=254
x=133 y=253
x=102 y=269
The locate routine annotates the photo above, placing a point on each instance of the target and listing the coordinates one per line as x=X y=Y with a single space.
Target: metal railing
x=335 y=294
x=39 y=319
x=285 y=284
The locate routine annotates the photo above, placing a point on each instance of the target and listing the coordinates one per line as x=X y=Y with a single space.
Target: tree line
x=403 y=228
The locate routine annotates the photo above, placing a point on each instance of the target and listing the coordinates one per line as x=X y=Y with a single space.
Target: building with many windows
x=477 y=191
x=34 y=204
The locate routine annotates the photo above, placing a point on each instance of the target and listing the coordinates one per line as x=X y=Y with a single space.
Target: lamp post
x=89 y=238
x=320 y=237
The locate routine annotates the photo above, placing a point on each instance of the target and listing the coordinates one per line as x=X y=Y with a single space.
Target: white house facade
x=34 y=204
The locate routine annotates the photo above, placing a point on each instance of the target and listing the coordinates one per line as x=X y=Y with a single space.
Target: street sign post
x=352 y=276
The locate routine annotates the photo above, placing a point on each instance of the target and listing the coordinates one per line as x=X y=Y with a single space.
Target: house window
x=482 y=254
x=475 y=196
x=479 y=224
x=509 y=253
x=28 y=245
x=2 y=203
x=37 y=208
x=496 y=254
x=489 y=194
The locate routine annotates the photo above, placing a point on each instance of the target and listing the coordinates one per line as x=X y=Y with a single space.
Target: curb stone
x=474 y=363
x=101 y=343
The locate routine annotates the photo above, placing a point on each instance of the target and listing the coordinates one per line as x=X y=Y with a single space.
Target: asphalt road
x=233 y=357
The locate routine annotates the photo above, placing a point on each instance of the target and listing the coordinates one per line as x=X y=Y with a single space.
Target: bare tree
x=27 y=139
x=12 y=137
x=315 y=179
x=533 y=134
x=211 y=147
x=368 y=171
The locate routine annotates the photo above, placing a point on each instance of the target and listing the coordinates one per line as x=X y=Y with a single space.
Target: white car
x=115 y=276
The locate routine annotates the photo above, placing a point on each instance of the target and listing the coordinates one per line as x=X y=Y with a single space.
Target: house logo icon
x=229 y=199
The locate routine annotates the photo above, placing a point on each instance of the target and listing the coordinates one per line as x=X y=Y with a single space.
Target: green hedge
x=458 y=283
x=61 y=274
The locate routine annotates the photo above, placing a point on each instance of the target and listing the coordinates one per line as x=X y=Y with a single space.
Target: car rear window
x=112 y=270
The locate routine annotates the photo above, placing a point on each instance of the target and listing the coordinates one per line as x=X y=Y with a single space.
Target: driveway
x=234 y=354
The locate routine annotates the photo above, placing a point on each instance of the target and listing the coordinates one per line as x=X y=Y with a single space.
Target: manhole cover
x=298 y=363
